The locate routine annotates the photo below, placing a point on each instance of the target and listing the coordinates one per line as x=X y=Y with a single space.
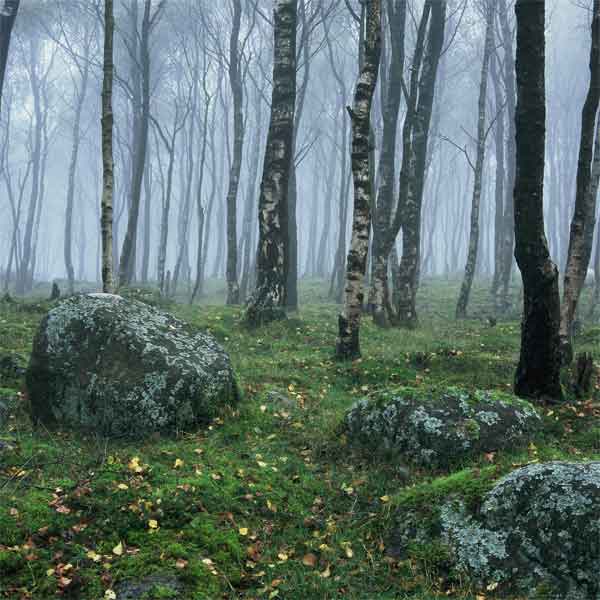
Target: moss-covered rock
x=439 y=429
x=538 y=531
x=121 y=367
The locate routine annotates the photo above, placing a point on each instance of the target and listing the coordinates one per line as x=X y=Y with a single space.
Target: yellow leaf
x=178 y=463
x=118 y=549
x=326 y=573
x=385 y=498
x=94 y=556
x=282 y=556
x=50 y=572
x=134 y=465
x=347 y=549
x=123 y=486
x=181 y=563
x=153 y=524
x=110 y=595
x=243 y=531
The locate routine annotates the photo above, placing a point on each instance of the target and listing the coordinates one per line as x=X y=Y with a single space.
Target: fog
x=51 y=108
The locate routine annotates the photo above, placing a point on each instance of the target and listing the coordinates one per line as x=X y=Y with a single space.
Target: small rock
x=153 y=587
x=280 y=401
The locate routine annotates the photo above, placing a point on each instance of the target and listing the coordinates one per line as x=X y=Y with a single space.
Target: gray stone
x=280 y=401
x=120 y=367
x=538 y=532
x=440 y=429
x=153 y=587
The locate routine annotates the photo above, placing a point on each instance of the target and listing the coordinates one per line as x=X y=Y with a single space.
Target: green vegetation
x=268 y=502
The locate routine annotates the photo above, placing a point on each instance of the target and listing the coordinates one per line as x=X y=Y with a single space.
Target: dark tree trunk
x=538 y=372
x=127 y=262
x=268 y=300
x=412 y=176
x=7 y=20
x=379 y=295
x=348 y=342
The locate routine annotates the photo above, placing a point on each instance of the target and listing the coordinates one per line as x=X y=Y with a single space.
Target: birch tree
x=268 y=301
x=348 y=342
x=106 y=219
x=584 y=216
x=538 y=372
x=465 y=290
x=237 y=90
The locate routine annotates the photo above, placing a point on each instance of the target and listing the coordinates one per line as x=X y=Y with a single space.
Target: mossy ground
x=268 y=502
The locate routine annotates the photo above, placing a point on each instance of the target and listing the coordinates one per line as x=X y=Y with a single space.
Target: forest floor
x=268 y=502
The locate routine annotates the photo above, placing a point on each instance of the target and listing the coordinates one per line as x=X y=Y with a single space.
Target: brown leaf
x=309 y=560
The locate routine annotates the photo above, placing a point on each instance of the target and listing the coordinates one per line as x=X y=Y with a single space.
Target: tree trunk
x=250 y=202
x=465 y=290
x=147 y=221
x=538 y=372
x=106 y=219
x=127 y=262
x=37 y=81
x=379 y=295
x=508 y=229
x=348 y=342
x=68 y=243
x=412 y=176
x=7 y=20
x=268 y=301
x=199 y=207
x=237 y=89
x=584 y=216
x=499 y=220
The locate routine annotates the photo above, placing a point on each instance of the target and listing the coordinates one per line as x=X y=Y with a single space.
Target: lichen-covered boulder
x=538 y=532
x=439 y=429
x=121 y=367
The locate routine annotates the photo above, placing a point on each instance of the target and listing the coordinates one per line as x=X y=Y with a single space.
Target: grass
x=268 y=502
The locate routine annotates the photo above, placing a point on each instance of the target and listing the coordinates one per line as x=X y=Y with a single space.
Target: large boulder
x=538 y=532
x=121 y=367
x=438 y=429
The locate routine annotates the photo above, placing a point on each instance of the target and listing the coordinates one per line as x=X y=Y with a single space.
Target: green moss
x=322 y=495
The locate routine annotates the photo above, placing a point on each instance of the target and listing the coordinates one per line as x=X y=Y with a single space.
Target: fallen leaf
x=309 y=560
x=118 y=549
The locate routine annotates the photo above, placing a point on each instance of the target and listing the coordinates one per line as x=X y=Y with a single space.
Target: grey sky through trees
x=191 y=37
